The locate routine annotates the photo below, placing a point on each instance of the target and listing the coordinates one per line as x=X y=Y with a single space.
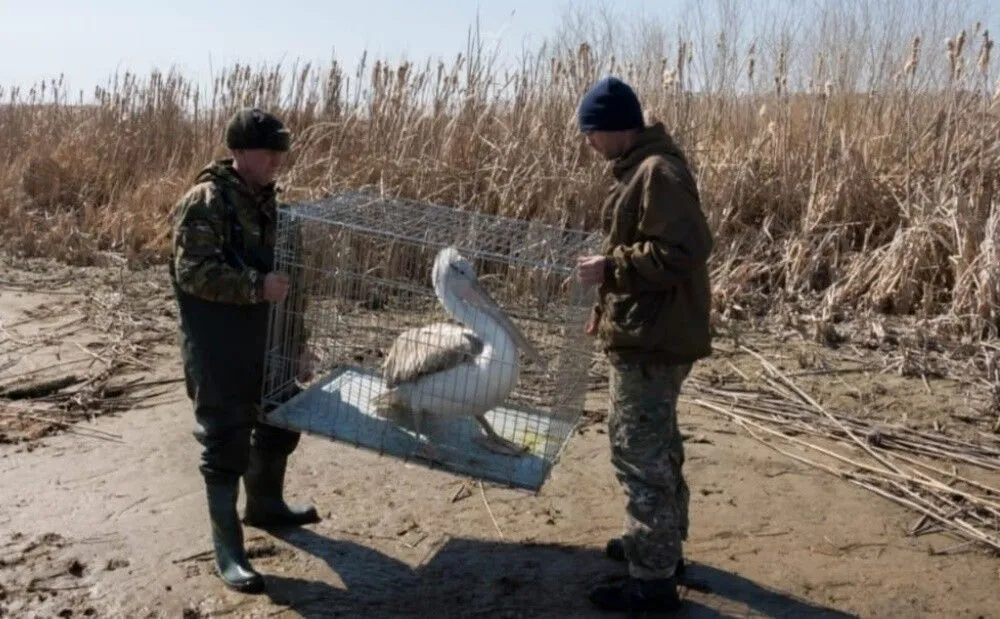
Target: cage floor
x=339 y=407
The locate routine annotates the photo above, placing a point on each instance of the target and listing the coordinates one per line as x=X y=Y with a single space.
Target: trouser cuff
x=643 y=573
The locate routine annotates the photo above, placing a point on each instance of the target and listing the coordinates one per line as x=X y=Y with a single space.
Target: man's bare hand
x=275 y=287
x=590 y=269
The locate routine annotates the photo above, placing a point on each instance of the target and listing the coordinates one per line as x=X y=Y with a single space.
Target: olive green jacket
x=655 y=301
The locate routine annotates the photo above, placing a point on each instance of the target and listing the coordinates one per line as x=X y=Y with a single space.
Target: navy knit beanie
x=610 y=105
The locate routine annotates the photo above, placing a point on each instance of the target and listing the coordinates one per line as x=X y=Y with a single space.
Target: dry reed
x=903 y=465
x=827 y=181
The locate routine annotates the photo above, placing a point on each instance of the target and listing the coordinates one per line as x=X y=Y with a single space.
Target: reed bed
x=837 y=177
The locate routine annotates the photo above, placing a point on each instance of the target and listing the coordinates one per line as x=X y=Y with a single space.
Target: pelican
x=448 y=369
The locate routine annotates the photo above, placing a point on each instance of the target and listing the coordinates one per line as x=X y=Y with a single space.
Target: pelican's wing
x=425 y=350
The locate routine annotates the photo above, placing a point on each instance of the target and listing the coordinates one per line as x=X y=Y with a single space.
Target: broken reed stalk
x=11 y=380
x=767 y=406
x=805 y=397
x=963 y=529
x=919 y=479
x=482 y=492
x=39 y=389
x=88 y=432
x=781 y=409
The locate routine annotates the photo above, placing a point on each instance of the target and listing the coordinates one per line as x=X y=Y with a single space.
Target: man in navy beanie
x=652 y=322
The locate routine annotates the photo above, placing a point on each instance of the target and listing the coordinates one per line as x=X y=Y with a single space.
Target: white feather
x=448 y=369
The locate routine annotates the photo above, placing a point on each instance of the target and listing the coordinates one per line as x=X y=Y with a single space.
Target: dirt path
x=116 y=525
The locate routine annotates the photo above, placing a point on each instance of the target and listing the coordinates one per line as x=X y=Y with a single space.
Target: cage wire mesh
x=363 y=305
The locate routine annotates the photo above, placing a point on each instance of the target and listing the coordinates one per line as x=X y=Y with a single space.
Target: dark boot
x=615 y=549
x=227 y=536
x=264 y=482
x=637 y=595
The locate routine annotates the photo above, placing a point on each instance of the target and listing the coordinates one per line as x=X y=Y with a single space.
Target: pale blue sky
x=88 y=40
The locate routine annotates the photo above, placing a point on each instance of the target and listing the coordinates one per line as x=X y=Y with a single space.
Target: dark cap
x=610 y=105
x=252 y=128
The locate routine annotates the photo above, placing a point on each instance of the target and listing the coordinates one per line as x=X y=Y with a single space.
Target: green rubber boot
x=227 y=536
x=264 y=482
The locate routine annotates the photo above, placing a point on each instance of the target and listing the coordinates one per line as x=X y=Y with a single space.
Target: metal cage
x=360 y=270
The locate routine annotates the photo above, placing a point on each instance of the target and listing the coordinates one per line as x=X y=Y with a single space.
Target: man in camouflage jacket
x=224 y=282
x=652 y=321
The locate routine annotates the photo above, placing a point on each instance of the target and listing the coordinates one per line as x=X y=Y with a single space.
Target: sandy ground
x=107 y=518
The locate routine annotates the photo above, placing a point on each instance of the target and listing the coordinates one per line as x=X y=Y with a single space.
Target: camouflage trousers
x=648 y=454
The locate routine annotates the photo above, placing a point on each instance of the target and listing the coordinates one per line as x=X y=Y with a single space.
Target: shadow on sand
x=481 y=578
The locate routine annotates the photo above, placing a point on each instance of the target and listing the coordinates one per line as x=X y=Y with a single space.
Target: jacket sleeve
x=675 y=237
x=199 y=260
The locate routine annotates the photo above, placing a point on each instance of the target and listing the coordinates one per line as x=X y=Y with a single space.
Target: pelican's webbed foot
x=496 y=443
x=426 y=451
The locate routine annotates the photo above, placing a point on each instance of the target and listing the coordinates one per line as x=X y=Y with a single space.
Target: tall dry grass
x=850 y=170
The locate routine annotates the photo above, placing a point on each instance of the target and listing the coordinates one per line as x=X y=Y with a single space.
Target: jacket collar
x=653 y=140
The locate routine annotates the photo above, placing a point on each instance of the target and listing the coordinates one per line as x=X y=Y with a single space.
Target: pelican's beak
x=475 y=293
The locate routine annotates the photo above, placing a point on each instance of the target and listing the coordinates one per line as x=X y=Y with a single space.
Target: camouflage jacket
x=224 y=237
x=655 y=302
x=204 y=262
